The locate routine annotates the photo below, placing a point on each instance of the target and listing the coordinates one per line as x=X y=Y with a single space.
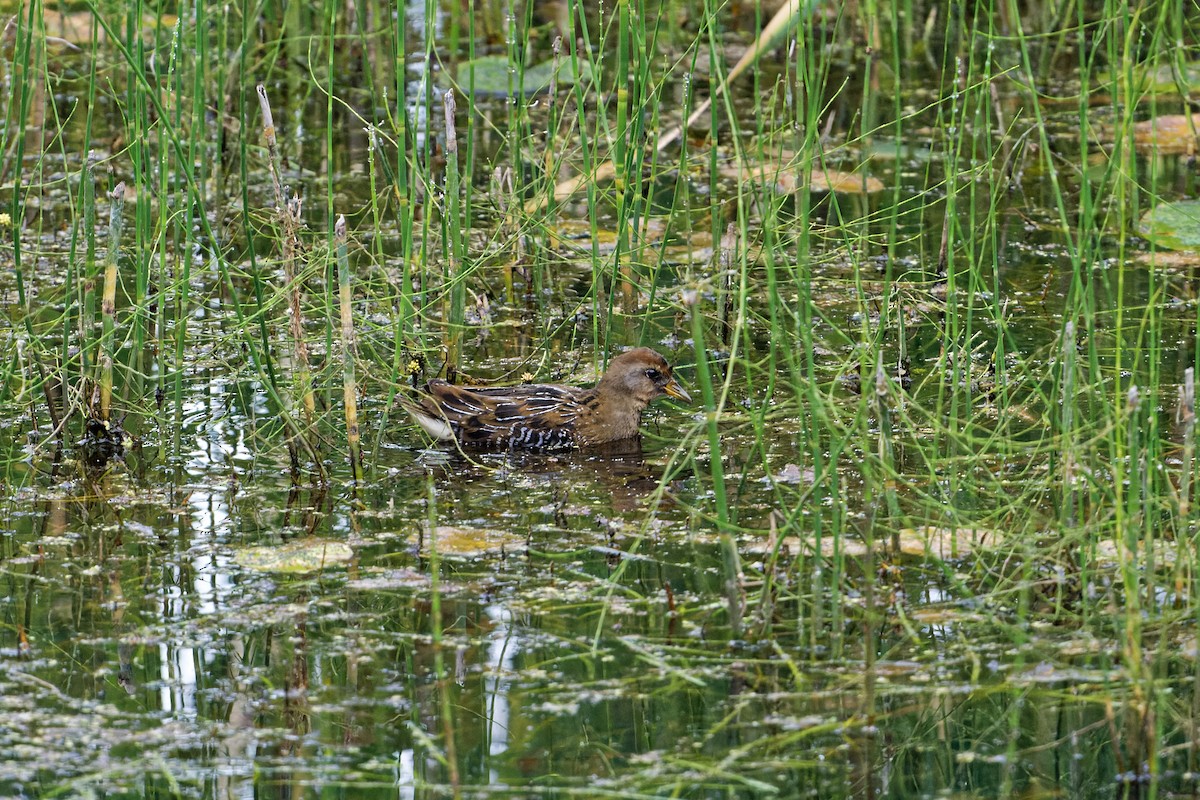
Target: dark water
x=568 y=663
x=585 y=630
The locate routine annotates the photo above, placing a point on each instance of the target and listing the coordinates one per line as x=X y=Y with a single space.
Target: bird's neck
x=618 y=413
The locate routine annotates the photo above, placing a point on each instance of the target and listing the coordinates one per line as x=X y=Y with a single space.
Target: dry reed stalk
x=289 y=218
x=349 y=380
x=108 y=301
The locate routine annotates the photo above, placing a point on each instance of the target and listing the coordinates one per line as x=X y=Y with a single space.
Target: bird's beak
x=676 y=390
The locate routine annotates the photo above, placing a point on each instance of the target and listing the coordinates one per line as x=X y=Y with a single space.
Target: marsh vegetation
x=926 y=269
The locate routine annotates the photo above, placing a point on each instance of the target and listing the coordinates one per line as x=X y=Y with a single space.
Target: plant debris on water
x=927 y=528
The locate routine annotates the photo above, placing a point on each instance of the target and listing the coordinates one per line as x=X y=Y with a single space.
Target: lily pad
x=1175 y=226
x=465 y=542
x=302 y=555
x=492 y=75
x=1166 y=79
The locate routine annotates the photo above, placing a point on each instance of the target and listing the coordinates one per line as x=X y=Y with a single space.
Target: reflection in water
x=502 y=648
x=177 y=671
x=237 y=746
x=405 y=778
x=268 y=683
x=271 y=682
x=619 y=469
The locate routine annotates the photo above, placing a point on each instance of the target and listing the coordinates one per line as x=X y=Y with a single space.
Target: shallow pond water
x=875 y=582
x=587 y=651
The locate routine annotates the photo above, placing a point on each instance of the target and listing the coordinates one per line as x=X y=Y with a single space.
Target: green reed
x=26 y=96
x=975 y=327
x=404 y=193
x=1044 y=428
x=780 y=251
x=78 y=328
x=455 y=254
x=590 y=161
x=331 y=278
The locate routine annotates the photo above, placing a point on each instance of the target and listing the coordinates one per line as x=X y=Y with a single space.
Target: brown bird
x=549 y=416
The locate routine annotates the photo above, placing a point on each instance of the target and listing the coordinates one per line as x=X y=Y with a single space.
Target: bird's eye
x=653 y=374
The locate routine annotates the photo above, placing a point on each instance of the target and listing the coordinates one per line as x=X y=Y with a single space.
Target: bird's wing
x=527 y=416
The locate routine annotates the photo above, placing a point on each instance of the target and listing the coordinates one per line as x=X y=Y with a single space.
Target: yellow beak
x=676 y=390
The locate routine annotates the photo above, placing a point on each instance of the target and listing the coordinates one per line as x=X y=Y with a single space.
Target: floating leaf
x=792 y=473
x=1170 y=133
x=1168 y=78
x=924 y=542
x=942 y=542
x=897 y=669
x=492 y=75
x=832 y=180
x=1112 y=553
x=388 y=580
x=1173 y=225
x=786 y=179
x=1182 y=261
x=302 y=555
x=456 y=541
x=944 y=615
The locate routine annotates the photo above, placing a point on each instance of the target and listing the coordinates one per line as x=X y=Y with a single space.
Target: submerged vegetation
x=924 y=268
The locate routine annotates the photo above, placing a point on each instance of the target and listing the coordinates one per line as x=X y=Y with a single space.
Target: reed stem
x=349 y=381
x=288 y=213
x=108 y=302
x=455 y=230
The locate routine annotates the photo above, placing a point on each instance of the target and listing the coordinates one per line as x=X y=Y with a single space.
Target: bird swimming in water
x=549 y=416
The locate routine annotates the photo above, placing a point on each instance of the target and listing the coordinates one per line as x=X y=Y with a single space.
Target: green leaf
x=492 y=75
x=1175 y=226
x=304 y=555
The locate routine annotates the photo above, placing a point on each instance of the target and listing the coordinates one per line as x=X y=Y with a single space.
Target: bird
x=549 y=416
